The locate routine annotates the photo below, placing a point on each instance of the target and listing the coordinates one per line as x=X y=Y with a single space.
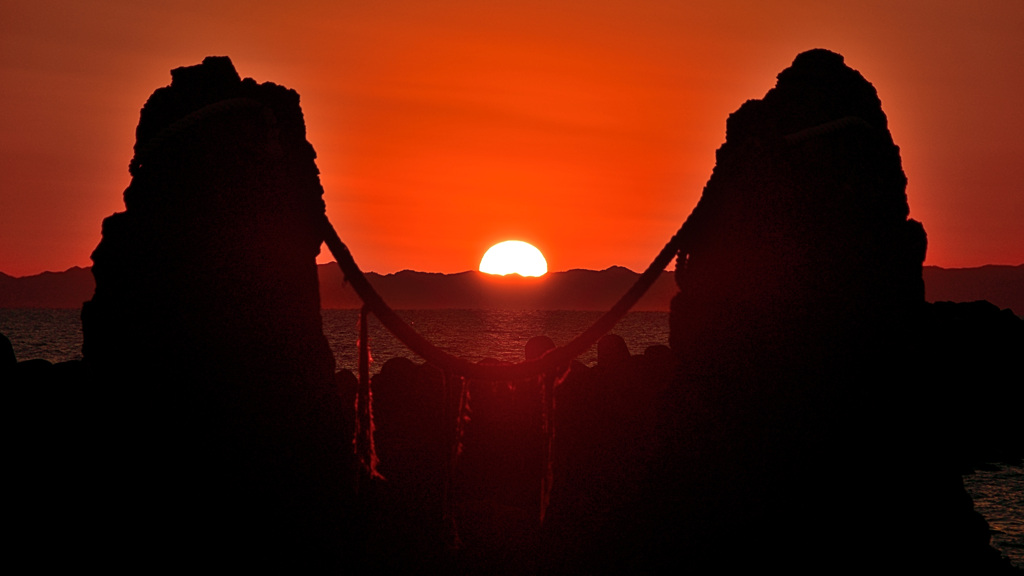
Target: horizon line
x=334 y=263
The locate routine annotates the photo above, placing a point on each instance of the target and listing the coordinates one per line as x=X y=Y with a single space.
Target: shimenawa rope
x=560 y=356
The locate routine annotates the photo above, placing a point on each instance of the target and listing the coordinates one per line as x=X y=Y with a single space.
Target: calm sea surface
x=56 y=335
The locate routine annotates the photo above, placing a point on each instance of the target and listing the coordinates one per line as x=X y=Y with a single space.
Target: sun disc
x=514 y=257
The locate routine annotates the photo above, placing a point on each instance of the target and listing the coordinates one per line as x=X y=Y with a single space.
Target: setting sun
x=514 y=257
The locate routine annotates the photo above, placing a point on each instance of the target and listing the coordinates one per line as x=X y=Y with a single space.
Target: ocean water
x=50 y=334
x=56 y=335
x=479 y=334
x=998 y=494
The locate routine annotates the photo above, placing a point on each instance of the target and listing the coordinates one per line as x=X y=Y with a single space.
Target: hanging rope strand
x=548 y=384
x=454 y=398
x=366 y=452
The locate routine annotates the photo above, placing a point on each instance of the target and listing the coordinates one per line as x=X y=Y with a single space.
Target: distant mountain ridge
x=1000 y=285
x=67 y=289
x=569 y=290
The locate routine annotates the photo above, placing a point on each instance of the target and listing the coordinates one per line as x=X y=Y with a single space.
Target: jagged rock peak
x=818 y=88
x=213 y=70
x=195 y=89
x=808 y=189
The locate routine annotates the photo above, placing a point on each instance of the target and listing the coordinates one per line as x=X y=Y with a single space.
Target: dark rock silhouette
x=205 y=326
x=612 y=352
x=537 y=346
x=7 y=358
x=407 y=532
x=970 y=392
x=498 y=480
x=792 y=430
x=606 y=418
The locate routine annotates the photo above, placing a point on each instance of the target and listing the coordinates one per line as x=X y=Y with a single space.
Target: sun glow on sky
x=592 y=126
x=514 y=257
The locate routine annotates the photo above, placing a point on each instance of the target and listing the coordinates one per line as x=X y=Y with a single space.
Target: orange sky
x=587 y=128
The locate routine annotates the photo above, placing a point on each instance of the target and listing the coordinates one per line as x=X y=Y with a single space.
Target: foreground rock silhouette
x=794 y=436
x=232 y=445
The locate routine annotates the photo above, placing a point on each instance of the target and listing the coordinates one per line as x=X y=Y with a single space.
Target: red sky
x=587 y=128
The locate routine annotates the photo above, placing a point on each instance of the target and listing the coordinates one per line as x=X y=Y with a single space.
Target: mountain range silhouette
x=577 y=289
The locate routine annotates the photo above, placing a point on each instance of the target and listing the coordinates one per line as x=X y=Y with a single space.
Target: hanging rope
x=548 y=383
x=364 y=447
x=455 y=388
x=554 y=358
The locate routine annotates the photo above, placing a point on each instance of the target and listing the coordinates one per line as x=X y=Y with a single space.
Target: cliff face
x=793 y=415
x=205 y=323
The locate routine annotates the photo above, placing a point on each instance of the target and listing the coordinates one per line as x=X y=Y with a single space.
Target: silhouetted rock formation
x=792 y=437
x=7 y=359
x=407 y=532
x=970 y=394
x=605 y=423
x=206 y=321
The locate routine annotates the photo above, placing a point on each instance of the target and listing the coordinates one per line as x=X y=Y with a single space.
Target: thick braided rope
x=560 y=356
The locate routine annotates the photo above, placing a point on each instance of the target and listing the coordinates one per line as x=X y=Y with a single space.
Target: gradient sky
x=587 y=128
